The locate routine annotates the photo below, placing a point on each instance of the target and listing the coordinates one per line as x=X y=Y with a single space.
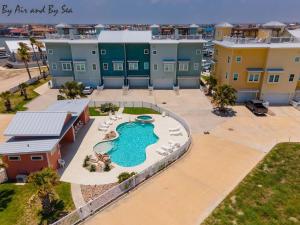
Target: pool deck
x=89 y=136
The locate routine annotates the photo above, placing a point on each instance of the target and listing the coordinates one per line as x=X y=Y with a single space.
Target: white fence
x=112 y=194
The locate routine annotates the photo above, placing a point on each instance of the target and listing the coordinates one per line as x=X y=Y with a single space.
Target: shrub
x=106 y=167
x=107 y=107
x=124 y=176
x=92 y=168
x=60 y=97
x=86 y=161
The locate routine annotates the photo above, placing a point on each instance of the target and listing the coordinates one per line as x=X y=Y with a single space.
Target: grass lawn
x=137 y=111
x=14 y=198
x=18 y=102
x=270 y=194
x=94 y=111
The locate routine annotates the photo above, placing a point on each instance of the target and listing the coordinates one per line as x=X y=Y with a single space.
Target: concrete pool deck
x=89 y=136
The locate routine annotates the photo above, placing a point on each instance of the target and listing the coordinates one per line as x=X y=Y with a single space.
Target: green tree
x=23 y=90
x=23 y=52
x=33 y=44
x=212 y=82
x=71 y=90
x=225 y=95
x=6 y=98
x=44 y=181
x=40 y=45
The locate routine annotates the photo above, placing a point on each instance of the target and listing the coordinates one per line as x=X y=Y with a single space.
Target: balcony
x=237 y=40
x=177 y=37
x=71 y=37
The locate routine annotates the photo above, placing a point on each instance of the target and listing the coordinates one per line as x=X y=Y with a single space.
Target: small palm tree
x=71 y=90
x=23 y=90
x=23 y=52
x=45 y=181
x=33 y=44
x=211 y=81
x=6 y=98
x=40 y=45
x=225 y=95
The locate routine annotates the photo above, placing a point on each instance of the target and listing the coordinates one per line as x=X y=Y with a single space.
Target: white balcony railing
x=71 y=37
x=177 y=37
x=238 y=40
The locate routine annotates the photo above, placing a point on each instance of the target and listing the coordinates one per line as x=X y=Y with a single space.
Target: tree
x=211 y=81
x=45 y=181
x=23 y=52
x=40 y=45
x=71 y=90
x=224 y=95
x=6 y=98
x=33 y=43
x=23 y=90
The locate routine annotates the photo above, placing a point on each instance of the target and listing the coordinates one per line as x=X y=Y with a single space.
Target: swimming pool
x=144 y=119
x=129 y=148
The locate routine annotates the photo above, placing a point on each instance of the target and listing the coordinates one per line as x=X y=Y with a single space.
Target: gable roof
x=73 y=106
x=38 y=124
x=273 y=24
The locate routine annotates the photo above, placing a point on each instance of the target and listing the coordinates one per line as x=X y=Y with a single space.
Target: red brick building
x=36 y=137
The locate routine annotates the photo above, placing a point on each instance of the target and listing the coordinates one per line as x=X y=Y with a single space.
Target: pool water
x=129 y=148
x=145 y=117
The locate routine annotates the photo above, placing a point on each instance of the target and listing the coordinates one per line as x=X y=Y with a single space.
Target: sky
x=150 y=11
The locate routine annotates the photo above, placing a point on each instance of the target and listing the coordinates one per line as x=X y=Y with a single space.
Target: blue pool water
x=129 y=148
x=145 y=117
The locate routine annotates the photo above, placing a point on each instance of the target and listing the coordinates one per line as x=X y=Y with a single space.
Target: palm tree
x=23 y=52
x=211 y=81
x=71 y=90
x=33 y=43
x=23 y=90
x=45 y=181
x=224 y=95
x=6 y=98
x=40 y=45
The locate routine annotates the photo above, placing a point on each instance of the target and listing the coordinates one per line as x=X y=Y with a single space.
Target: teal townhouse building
x=134 y=59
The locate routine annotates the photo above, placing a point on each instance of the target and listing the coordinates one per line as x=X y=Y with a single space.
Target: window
x=80 y=67
x=183 y=66
x=36 y=157
x=146 y=51
x=93 y=52
x=228 y=59
x=14 y=158
x=105 y=66
x=235 y=76
x=297 y=59
x=94 y=67
x=133 y=66
x=66 y=66
x=155 y=67
x=168 y=67
x=226 y=75
x=253 y=77
x=50 y=51
x=103 y=51
x=273 y=78
x=198 y=51
x=238 y=59
x=146 y=65
x=291 y=77
x=196 y=66
x=54 y=66
x=154 y=52
x=118 y=66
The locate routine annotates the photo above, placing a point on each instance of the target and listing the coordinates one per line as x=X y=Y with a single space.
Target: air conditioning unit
x=21 y=178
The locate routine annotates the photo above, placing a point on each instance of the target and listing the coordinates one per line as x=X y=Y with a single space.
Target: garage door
x=162 y=83
x=189 y=83
x=276 y=99
x=138 y=83
x=113 y=82
x=243 y=97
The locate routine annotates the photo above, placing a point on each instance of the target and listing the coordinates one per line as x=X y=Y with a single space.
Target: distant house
x=36 y=138
x=18 y=32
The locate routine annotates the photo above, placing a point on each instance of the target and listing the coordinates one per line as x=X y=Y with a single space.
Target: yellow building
x=222 y=30
x=264 y=69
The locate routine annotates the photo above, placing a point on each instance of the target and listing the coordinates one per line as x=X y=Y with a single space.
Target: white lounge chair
x=109 y=122
x=119 y=116
x=164 y=114
x=61 y=163
x=113 y=118
x=176 y=133
x=160 y=152
x=104 y=125
x=103 y=128
x=167 y=148
x=174 y=129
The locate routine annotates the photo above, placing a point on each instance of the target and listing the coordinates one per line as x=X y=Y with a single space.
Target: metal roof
x=224 y=24
x=273 y=24
x=12 y=46
x=125 y=36
x=73 y=106
x=38 y=124
x=20 y=146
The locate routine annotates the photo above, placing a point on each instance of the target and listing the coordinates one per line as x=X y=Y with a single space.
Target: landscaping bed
x=140 y=110
x=90 y=192
x=270 y=194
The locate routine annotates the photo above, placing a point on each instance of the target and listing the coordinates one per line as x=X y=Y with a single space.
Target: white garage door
x=138 y=83
x=162 y=83
x=276 y=99
x=113 y=82
x=243 y=97
x=189 y=83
